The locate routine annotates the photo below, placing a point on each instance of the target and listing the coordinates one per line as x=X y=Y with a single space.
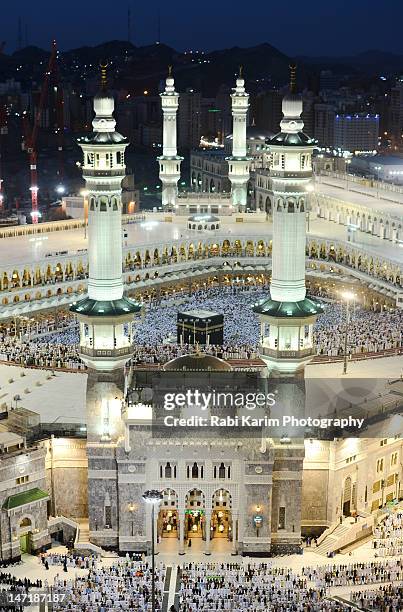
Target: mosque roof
x=254 y=133
x=303 y=308
x=203 y=218
x=300 y=139
x=103 y=138
x=110 y=308
x=26 y=497
x=198 y=361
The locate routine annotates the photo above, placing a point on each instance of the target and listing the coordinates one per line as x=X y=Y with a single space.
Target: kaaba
x=200 y=327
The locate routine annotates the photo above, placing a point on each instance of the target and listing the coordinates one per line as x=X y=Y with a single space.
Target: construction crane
x=31 y=134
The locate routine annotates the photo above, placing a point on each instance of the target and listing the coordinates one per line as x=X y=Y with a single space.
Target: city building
x=23 y=498
x=396 y=114
x=358 y=133
x=324 y=124
x=387 y=168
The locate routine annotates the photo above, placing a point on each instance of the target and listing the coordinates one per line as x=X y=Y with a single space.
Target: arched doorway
x=195 y=514
x=347 y=497
x=168 y=520
x=221 y=515
x=25 y=530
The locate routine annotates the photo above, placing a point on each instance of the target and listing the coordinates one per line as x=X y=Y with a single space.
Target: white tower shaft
x=169 y=162
x=239 y=163
x=288 y=254
x=105 y=245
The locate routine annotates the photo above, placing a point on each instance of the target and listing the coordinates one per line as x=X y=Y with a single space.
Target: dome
x=292 y=105
x=299 y=139
x=104 y=104
x=198 y=361
x=254 y=133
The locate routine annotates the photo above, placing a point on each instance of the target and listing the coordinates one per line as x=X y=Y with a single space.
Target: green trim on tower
x=112 y=308
x=26 y=497
x=287 y=310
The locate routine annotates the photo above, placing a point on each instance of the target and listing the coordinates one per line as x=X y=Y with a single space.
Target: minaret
x=288 y=314
x=287 y=317
x=105 y=315
x=170 y=161
x=239 y=163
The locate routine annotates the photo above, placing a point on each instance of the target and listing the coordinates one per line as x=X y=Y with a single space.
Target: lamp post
x=132 y=508
x=152 y=497
x=348 y=162
x=348 y=297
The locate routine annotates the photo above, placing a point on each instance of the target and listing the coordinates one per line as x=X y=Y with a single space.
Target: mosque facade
x=259 y=494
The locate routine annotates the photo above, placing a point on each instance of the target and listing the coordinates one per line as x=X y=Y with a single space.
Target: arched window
x=195 y=470
x=221 y=471
x=291 y=207
x=168 y=470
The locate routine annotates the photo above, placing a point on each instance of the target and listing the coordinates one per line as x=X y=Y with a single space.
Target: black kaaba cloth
x=200 y=327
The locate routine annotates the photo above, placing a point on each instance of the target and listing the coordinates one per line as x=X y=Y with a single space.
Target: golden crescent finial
x=169 y=71
x=240 y=71
x=104 y=78
x=293 y=77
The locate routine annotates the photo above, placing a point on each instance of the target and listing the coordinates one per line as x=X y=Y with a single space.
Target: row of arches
x=47 y=279
x=206 y=184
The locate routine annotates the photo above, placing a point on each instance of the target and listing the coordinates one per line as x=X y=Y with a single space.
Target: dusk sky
x=295 y=27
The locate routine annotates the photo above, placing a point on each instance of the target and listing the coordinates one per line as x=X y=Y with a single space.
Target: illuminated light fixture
x=348 y=296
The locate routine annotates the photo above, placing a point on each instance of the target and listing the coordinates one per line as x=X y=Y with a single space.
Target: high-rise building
x=189 y=120
x=324 y=115
x=266 y=110
x=358 y=132
x=396 y=114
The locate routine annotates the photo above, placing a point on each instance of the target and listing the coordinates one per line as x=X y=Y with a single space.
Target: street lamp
x=132 y=508
x=347 y=296
x=348 y=162
x=152 y=497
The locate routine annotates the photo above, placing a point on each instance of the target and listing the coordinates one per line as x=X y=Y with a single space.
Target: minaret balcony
x=106 y=172
x=105 y=352
x=284 y=354
x=290 y=174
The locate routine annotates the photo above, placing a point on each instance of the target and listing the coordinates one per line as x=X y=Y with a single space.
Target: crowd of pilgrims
x=333 y=575
x=255 y=587
x=54 y=344
x=124 y=585
x=388 y=535
x=387 y=598
x=68 y=560
x=15 y=586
